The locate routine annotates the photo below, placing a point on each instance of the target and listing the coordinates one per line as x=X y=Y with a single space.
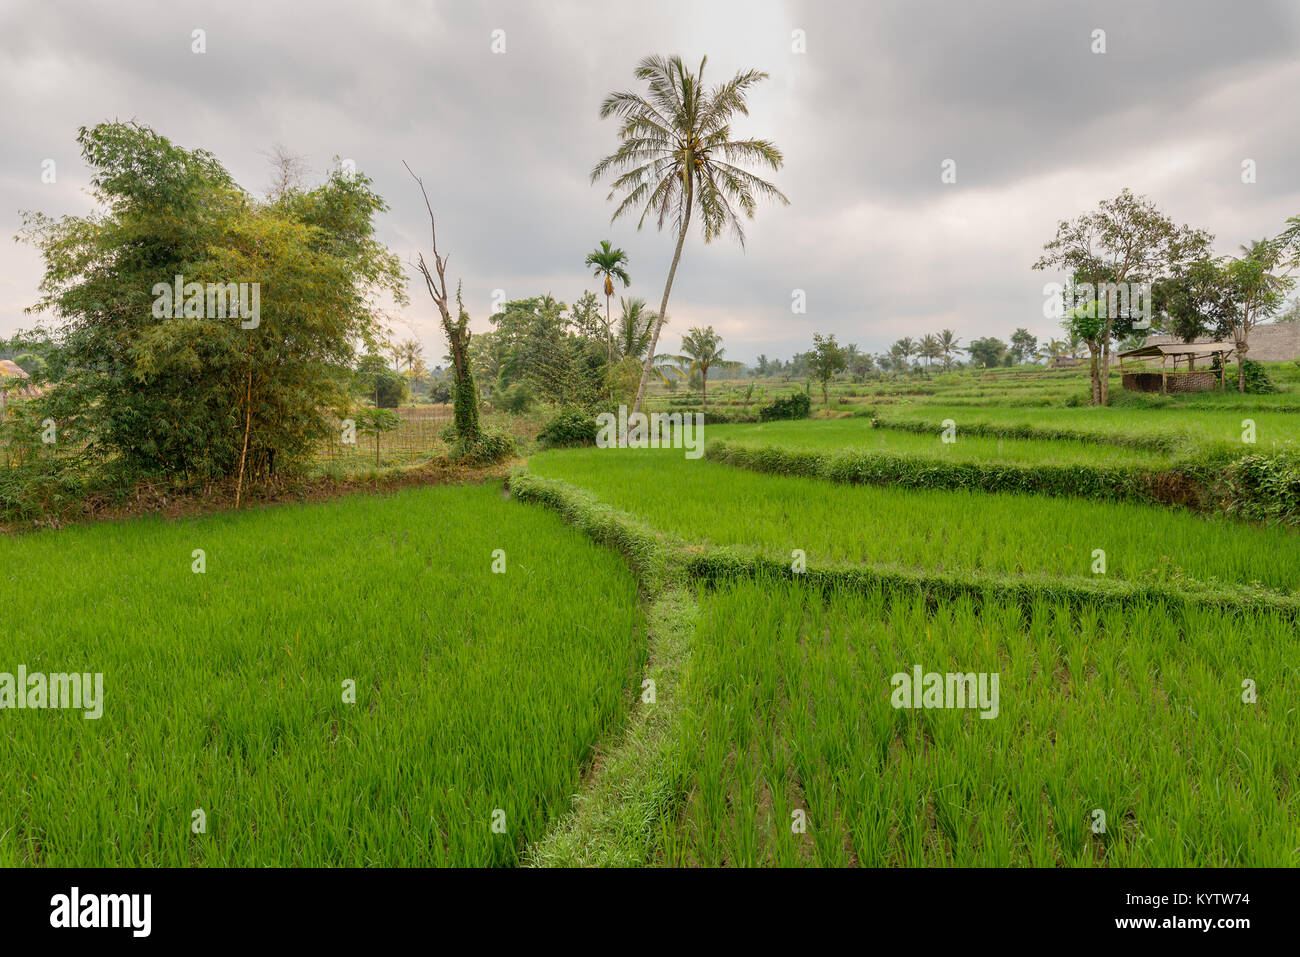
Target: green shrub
x=569 y=428
x=1266 y=486
x=1257 y=380
x=795 y=406
x=493 y=446
x=516 y=399
x=1115 y=483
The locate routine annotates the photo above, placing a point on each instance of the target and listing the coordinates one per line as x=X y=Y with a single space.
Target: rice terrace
x=349 y=520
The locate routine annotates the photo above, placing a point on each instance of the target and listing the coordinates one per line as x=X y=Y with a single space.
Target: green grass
x=1138 y=714
x=1180 y=429
x=857 y=434
x=224 y=690
x=705 y=502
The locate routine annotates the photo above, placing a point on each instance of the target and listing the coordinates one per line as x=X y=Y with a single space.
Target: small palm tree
x=948 y=347
x=702 y=352
x=677 y=156
x=634 y=329
x=607 y=264
x=929 y=349
x=906 y=348
x=409 y=351
x=1054 y=349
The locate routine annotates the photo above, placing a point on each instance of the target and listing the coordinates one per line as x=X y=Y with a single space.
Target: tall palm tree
x=676 y=156
x=607 y=263
x=702 y=352
x=948 y=346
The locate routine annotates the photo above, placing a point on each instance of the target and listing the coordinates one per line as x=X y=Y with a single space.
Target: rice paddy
x=858 y=434
x=701 y=501
x=477 y=696
x=1111 y=738
x=443 y=676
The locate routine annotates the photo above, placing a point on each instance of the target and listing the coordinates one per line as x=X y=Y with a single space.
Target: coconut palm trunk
x=663 y=304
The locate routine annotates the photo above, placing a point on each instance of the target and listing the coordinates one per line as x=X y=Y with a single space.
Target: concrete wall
x=1276 y=342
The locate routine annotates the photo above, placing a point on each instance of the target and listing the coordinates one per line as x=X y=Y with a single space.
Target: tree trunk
x=704 y=390
x=248 y=421
x=609 y=336
x=663 y=305
x=1094 y=372
x=1105 y=369
x=1243 y=346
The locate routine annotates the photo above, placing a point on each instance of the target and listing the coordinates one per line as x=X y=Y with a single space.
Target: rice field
x=1114 y=738
x=858 y=434
x=1180 y=429
x=704 y=502
x=355 y=683
x=478 y=696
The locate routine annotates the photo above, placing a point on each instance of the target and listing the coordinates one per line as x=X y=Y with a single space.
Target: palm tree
x=947 y=346
x=1054 y=349
x=607 y=263
x=905 y=347
x=409 y=351
x=676 y=155
x=634 y=329
x=702 y=353
x=929 y=348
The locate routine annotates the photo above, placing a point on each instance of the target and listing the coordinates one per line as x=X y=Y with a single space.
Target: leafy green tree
x=1196 y=300
x=210 y=394
x=608 y=264
x=585 y=317
x=861 y=366
x=987 y=352
x=1259 y=290
x=677 y=156
x=384 y=386
x=1125 y=240
x=376 y=422
x=827 y=359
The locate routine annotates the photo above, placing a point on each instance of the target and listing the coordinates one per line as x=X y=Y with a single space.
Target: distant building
x=1275 y=342
x=10 y=371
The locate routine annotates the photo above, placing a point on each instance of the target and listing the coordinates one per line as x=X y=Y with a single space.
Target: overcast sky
x=1040 y=129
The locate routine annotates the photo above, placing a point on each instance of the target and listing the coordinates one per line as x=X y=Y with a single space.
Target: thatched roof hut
x=14 y=384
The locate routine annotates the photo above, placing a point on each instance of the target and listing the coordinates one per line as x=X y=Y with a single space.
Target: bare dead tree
x=465 y=398
x=288 y=171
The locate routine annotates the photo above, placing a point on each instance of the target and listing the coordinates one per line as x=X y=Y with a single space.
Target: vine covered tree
x=465 y=393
